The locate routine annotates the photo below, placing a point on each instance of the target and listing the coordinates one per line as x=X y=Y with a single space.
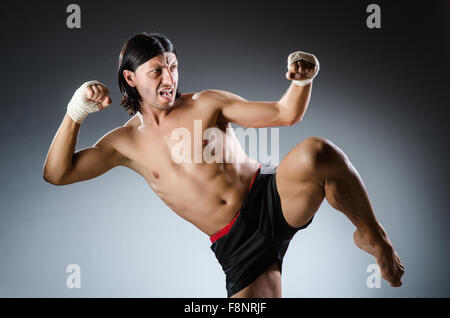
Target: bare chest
x=178 y=146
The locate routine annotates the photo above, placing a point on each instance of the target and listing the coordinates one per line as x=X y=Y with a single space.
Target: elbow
x=288 y=117
x=52 y=179
x=294 y=120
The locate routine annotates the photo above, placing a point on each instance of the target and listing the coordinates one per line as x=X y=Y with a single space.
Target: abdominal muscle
x=206 y=195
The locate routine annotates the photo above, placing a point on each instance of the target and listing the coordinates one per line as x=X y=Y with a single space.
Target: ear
x=129 y=76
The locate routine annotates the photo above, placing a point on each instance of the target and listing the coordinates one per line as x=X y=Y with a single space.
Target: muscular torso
x=206 y=194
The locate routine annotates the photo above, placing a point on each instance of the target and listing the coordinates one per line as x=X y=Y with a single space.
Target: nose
x=168 y=77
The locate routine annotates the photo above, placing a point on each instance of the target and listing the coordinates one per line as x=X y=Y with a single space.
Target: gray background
x=381 y=96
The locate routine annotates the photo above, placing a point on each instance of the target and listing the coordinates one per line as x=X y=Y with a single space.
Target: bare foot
x=391 y=266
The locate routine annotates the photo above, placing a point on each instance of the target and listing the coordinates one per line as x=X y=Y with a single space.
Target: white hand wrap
x=299 y=55
x=79 y=106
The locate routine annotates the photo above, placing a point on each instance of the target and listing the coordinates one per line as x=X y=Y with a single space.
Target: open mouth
x=166 y=93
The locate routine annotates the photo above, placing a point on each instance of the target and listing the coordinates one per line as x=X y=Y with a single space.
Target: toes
x=392 y=275
x=395 y=279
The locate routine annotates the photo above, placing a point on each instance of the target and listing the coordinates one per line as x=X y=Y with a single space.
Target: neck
x=152 y=115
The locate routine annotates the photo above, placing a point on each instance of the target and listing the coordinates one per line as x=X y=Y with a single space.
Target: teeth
x=166 y=92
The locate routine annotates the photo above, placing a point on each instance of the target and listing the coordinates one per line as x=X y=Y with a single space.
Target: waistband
x=228 y=227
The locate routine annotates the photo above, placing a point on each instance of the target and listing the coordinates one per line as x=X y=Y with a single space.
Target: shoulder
x=113 y=137
x=115 y=144
x=217 y=94
x=132 y=122
x=215 y=97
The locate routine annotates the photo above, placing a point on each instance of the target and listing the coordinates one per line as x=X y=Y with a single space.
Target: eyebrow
x=160 y=65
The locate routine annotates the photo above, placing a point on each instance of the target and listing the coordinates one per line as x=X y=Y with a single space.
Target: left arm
x=284 y=112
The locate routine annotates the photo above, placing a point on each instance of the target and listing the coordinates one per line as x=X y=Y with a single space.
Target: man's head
x=148 y=72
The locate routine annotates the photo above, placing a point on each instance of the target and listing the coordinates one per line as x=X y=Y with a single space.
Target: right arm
x=64 y=166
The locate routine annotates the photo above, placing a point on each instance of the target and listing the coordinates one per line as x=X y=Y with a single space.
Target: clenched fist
x=302 y=68
x=90 y=97
x=98 y=93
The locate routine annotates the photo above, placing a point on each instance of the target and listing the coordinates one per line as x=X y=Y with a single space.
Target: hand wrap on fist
x=80 y=106
x=299 y=55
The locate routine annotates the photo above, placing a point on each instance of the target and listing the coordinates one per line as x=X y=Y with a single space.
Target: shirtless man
x=250 y=215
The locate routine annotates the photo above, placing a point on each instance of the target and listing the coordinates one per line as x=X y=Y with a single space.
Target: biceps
x=254 y=114
x=90 y=163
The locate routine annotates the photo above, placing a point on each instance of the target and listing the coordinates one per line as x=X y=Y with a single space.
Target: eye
x=174 y=67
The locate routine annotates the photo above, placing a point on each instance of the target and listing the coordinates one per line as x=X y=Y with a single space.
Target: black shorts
x=257 y=237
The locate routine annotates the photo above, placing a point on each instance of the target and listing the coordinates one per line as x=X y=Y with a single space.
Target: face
x=156 y=80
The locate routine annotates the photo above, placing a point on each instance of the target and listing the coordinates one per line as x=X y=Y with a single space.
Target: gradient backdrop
x=381 y=96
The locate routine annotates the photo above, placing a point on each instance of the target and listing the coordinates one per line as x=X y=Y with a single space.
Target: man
x=249 y=211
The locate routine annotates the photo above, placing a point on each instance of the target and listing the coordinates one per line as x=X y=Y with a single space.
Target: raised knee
x=320 y=153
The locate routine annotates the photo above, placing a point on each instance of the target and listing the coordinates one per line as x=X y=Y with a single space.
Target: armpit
x=222 y=122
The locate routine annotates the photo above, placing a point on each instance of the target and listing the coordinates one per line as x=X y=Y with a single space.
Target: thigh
x=299 y=186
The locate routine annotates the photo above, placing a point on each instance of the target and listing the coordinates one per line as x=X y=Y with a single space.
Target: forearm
x=60 y=154
x=294 y=102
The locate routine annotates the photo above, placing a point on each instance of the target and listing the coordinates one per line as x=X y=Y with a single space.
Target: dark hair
x=136 y=51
